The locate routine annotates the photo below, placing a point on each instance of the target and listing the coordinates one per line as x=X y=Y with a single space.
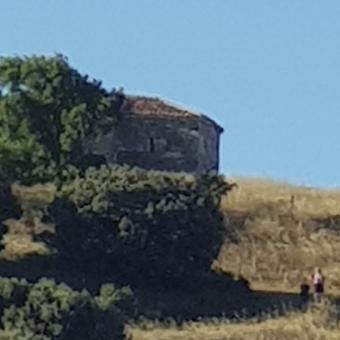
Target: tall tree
x=46 y=109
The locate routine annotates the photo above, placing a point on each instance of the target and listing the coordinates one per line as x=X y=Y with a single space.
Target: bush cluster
x=46 y=310
x=151 y=225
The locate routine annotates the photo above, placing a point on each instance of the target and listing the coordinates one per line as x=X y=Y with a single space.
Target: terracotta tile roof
x=155 y=107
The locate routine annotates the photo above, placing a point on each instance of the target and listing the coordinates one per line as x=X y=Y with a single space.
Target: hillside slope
x=277 y=233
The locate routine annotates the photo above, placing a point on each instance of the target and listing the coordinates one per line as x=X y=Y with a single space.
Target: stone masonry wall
x=163 y=144
x=208 y=151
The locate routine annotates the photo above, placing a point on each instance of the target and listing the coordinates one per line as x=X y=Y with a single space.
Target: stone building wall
x=173 y=143
x=208 y=153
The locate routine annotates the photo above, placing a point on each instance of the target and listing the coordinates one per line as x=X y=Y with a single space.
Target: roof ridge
x=168 y=102
x=180 y=108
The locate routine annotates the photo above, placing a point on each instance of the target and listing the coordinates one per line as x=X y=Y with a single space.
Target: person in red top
x=318 y=281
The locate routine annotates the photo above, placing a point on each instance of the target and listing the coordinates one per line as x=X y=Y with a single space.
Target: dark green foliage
x=46 y=110
x=47 y=310
x=151 y=225
x=149 y=229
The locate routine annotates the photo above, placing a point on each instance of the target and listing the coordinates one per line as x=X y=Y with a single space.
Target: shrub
x=147 y=224
x=46 y=310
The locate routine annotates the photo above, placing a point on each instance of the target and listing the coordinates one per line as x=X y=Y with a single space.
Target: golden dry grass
x=20 y=239
x=276 y=234
x=253 y=193
x=318 y=323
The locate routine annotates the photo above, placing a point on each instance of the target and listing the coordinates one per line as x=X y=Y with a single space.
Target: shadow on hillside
x=182 y=305
x=193 y=292
x=209 y=296
x=199 y=298
x=262 y=304
x=213 y=296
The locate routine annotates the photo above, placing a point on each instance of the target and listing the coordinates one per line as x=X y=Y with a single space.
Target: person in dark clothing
x=304 y=290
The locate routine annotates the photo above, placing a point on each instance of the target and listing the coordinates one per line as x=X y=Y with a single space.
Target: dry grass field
x=277 y=233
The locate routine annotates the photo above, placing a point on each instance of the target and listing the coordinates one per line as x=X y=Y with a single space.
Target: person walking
x=318 y=281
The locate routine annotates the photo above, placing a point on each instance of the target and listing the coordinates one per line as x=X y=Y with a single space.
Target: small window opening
x=152 y=144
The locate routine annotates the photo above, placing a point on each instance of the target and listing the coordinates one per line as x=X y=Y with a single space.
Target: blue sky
x=267 y=71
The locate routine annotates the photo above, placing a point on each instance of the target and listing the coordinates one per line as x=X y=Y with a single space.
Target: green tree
x=46 y=109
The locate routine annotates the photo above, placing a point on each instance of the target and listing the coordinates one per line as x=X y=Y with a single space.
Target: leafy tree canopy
x=46 y=109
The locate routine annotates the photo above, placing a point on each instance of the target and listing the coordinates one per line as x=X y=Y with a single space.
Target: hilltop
x=85 y=241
